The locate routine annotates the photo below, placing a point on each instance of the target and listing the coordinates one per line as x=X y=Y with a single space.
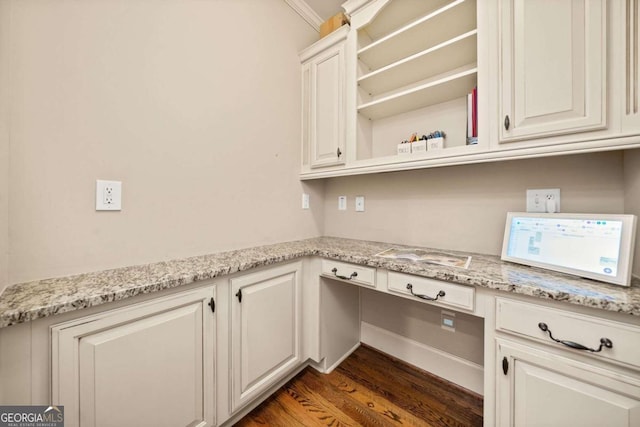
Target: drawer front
x=524 y=319
x=359 y=275
x=449 y=294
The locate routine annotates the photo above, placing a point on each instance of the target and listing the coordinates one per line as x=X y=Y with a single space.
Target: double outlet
x=108 y=195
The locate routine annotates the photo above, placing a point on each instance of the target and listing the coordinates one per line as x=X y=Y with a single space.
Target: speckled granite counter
x=28 y=301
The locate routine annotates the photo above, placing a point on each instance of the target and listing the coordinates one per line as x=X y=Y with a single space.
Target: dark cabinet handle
x=505 y=365
x=507 y=122
x=335 y=273
x=338 y=152
x=428 y=298
x=239 y=295
x=604 y=342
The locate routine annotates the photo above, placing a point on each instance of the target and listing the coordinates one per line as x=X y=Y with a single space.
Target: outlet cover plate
x=305 y=201
x=537 y=199
x=108 y=195
x=342 y=203
x=359 y=203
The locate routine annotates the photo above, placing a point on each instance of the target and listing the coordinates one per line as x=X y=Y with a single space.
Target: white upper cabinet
x=323 y=75
x=553 y=57
x=408 y=67
x=629 y=72
x=552 y=77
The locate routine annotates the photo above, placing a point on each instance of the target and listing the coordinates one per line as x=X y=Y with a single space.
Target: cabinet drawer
x=524 y=319
x=360 y=275
x=449 y=294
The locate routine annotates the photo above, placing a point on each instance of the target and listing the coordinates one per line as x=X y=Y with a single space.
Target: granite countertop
x=32 y=300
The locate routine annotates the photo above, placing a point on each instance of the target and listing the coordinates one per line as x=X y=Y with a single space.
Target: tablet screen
x=594 y=246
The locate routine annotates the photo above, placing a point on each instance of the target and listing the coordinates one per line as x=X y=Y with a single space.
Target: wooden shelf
x=449 y=55
x=434 y=28
x=456 y=84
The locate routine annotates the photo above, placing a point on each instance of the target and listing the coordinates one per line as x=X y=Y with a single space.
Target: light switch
x=359 y=203
x=342 y=203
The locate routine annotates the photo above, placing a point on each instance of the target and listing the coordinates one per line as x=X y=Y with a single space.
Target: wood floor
x=368 y=389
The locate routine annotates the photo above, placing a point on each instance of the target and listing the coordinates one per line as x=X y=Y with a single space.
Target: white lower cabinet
x=557 y=367
x=151 y=364
x=265 y=330
x=539 y=388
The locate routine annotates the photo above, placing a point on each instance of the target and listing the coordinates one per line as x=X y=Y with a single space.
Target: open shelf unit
x=407 y=65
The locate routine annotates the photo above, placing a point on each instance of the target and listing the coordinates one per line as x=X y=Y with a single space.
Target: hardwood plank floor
x=368 y=389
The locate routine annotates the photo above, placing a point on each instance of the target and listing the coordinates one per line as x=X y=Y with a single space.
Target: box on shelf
x=404 y=148
x=333 y=23
x=435 y=143
x=419 y=146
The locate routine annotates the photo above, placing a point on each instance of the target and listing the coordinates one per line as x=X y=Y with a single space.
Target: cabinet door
x=553 y=59
x=265 y=329
x=627 y=26
x=327 y=108
x=151 y=364
x=544 y=389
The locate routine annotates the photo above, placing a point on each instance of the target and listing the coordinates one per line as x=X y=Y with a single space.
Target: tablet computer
x=595 y=246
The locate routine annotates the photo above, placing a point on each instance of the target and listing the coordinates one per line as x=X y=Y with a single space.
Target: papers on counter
x=428 y=257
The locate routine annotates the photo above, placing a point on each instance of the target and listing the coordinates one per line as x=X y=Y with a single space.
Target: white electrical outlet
x=543 y=200
x=305 y=201
x=448 y=320
x=108 y=195
x=342 y=203
x=359 y=203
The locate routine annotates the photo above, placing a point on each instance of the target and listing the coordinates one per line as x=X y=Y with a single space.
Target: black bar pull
x=239 y=295
x=338 y=152
x=604 y=342
x=212 y=304
x=425 y=297
x=507 y=122
x=335 y=273
x=505 y=365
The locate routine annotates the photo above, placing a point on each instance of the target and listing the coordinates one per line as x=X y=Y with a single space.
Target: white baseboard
x=452 y=368
x=319 y=366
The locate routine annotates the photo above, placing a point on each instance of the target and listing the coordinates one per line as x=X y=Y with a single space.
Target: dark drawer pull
x=428 y=298
x=604 y=342
x=335 y=273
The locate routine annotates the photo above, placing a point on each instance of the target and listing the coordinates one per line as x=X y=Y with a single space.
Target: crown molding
x=306 y=12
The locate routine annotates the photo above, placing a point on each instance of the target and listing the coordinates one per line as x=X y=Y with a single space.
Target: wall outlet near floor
x=108 y=195
x=359 y=203
x=342 y=203
x=305 y=201
x=543 y=200
x=448 y=320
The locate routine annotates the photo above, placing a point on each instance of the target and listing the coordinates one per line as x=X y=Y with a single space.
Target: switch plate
x=108 y=195
x=305 y=201
x=359 y=203
x=543 y=200
x=342 y=203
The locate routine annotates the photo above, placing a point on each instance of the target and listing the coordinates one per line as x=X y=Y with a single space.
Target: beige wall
x=421 y=322
x=4 y=147
x=464 y=207
x=632 y=196
x=185 y=101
